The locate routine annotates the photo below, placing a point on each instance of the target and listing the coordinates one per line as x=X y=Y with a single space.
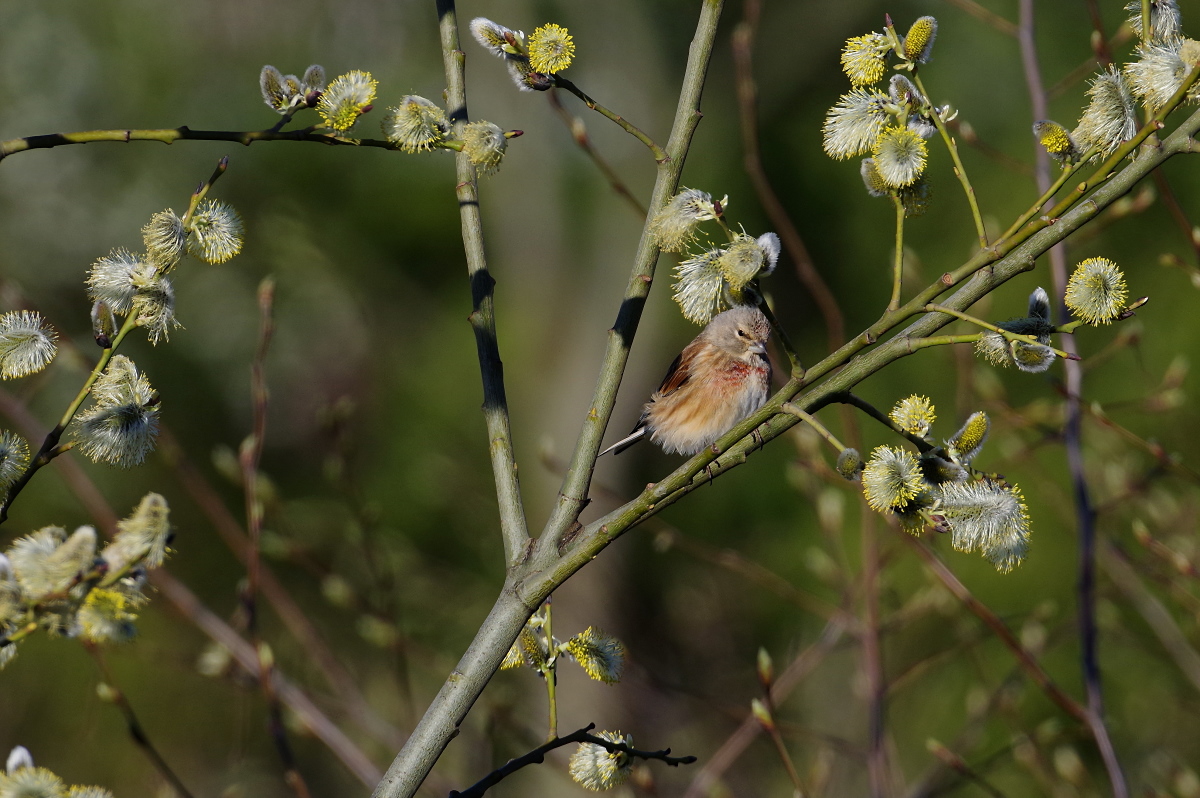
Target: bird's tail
x=626 y=442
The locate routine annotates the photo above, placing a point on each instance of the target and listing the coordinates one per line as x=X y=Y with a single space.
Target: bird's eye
x=741 y=333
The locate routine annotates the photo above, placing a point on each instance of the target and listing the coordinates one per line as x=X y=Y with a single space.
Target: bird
x=716 y=381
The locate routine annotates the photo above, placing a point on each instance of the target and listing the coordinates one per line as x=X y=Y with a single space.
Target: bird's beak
x=759 y=348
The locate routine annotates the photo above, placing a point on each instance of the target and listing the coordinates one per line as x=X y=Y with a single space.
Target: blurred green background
x=376 y=450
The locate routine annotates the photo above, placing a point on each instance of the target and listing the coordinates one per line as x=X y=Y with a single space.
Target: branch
x=538 y=755
x=117 y=696
x=50 y=446
x=659 y=153
x=843 y=370
x=579 y=135
x=483 y=313
x=247 y=657
x=516 y=602
x=1024 y=658
x=1072 y=435
x=170 y=135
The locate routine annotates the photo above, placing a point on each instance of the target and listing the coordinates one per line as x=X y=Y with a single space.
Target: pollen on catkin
x=105 y=616
x=854 y=123
x=142 y=537
x=416 y=124
x=915 y=415
x=1031 y=358
x=1111 y=116
x=27 y=344
x=347 y=98
x=849 y=464
x=1056 y=140
x=968 y=441
x=900 y=155
x=891 y=479
x=1096 y=292
x=741 y=261
x=34 y=782
x=864 y=58
x=550 y=49
x=601 y=656
x=485 y=144
x=596 y=768
x=918 y=43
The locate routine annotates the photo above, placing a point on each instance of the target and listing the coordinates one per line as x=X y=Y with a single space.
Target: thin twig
x=659 y=153
x=820 y=428
x=764 y=713
x=97 y=507
x=872 y=658
x=249 y=458
x=172 y=134
x=1125 y=577
x=957 y=763
x=877 y=414
x=1024 y=658
x=1008 y=334
x=579 y=135
x=1084 y=513
x=990 y=17
x=136 y=731
x=960 y=171
x=747 y=95
x=733 y=747
x=538 y=755
x=898 y=263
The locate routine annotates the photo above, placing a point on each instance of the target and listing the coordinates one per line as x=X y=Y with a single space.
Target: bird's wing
x=679 y=372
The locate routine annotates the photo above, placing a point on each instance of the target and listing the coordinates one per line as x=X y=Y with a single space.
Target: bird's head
x=742 y=332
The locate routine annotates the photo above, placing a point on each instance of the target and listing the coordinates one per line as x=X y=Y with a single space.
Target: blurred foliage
x=382 y=522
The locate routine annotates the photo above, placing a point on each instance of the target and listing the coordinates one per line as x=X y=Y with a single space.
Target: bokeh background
x=382 y=524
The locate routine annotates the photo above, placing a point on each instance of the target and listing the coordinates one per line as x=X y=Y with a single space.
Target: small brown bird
x=719 y=379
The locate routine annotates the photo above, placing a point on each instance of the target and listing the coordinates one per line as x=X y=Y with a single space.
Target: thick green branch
x=847 y=368
x=572 y=496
